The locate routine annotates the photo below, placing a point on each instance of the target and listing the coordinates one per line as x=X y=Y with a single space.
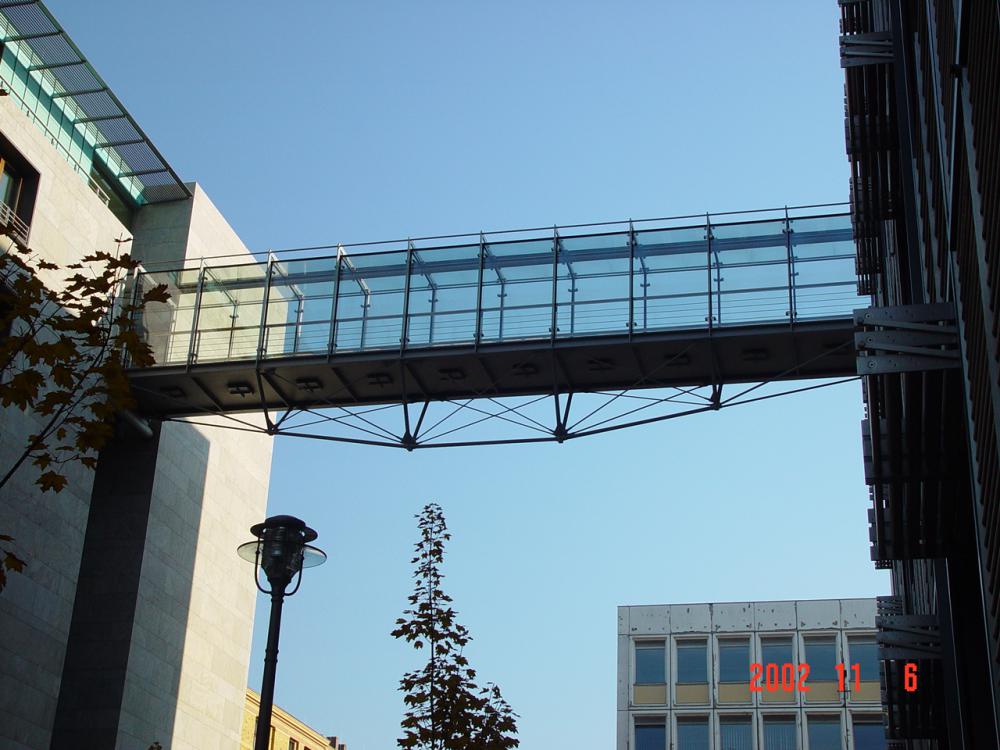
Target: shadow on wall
x=123 y=659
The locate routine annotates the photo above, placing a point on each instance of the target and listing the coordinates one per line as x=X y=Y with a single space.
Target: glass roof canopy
x=53 y=71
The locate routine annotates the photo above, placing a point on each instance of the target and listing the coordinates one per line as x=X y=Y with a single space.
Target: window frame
x=650 y=644
x=690 y=717
x=794 y=715
x=838 y=651
x=719 y=642
x=868 y=636
x=680 y=641
x=810 y=715
x=650 y=720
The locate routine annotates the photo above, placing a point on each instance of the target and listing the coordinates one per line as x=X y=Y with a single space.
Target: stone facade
x=179 y=620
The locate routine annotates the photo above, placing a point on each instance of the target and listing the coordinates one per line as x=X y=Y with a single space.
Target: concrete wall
x=188 y=652
x=35 y=609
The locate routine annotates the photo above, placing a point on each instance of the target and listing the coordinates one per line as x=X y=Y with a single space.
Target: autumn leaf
x=51 y=481
x=13 y=562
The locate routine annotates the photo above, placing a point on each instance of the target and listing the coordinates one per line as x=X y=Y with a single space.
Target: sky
x=324 y=122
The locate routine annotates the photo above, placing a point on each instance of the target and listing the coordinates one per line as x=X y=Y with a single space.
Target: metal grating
x=88 y=99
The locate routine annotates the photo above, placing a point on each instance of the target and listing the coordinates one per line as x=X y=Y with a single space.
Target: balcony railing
x=11 y=222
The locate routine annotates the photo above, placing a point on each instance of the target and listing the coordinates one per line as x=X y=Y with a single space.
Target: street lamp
x=281 y=550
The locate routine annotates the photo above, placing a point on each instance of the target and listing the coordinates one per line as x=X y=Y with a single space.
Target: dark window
x=776 y=651
x=692 y=662
x=692 y=733
x=734 y=661
x=779 y=733
x=292 y=744
x=735 y=733
x=18 y=187
x=650 y=737
x=868 y=733
x=821 y=656
x=649 y=665
x=864 y=651
x=824 y=733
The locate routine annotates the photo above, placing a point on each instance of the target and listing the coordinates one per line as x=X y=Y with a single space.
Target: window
x=292 y=744
x=824 y=733
x=692 y=662
x=18 y=186
x=779 y=733
x=692 y=733
x=864 y=651
x=649 y=663
x=776 y=651
x=734 y=660
x=650 y=735
x=821 y=656
x=735 y=733
x=868 y=733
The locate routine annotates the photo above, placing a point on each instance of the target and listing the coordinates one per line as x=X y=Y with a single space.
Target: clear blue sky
x=317 y=122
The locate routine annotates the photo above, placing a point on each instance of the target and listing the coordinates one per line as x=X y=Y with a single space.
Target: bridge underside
x=679 y=359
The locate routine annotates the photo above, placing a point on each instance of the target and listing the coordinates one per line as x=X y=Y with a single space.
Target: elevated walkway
x=684 y=302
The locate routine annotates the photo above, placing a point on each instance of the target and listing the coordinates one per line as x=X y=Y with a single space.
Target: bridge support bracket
x=906 y=338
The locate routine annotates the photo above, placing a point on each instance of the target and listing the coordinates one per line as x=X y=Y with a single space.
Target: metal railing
x=8 y=219
x=623 y=281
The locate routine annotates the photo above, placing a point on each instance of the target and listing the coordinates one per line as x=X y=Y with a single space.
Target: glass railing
x=567 y=284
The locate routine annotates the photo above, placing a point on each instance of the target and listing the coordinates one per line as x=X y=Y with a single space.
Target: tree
x=445 y=708
x=63 y=354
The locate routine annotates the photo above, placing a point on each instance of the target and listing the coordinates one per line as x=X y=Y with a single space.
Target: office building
x=922 y=114
x=782 y=675
x=131 y=623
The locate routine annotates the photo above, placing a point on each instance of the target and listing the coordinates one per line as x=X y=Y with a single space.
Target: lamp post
x=281 y=550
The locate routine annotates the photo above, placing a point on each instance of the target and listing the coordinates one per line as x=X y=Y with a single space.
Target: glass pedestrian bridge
x=444 y=317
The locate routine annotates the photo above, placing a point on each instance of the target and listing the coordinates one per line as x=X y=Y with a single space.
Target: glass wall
x=602 y=284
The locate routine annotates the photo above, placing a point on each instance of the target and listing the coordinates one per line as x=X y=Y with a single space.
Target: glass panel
x=779 y=733
x=692 y=734
x=735 y=733
x=691 y=662
x=444 y=287
x=370 y=301
x=734 y=661
x=750 y=273
x=821 y=656
x=864 y=651
x=300 y=307
x=166 y=326
x=776 y=651
x=825 y=278
x=517 y=290
x=229 y=314
x=824 y=733
x=592 y=286
x=670 y=279
x=650 y=737
x=868 y=734
x=649 y=664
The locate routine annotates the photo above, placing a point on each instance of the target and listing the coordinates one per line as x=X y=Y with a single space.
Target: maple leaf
x=13 y=562
x=51 y=481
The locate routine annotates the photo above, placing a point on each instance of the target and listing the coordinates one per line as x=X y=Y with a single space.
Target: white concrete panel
x=691 y=618
x=858 y=613
x=621 y=735
x=822 y=614
x=733 y=617
x=69 y=221
x=623 y=620
x=624 y=657
x=774 y=615
x=649 y=619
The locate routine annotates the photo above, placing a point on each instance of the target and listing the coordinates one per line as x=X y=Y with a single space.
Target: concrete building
x=287 y=732
x=749 y=675
x=132 y=621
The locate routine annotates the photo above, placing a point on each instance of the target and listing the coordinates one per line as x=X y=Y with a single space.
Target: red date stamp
x=791 y=678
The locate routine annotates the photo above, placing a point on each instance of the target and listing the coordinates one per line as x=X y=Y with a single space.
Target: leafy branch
x=64 y=348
